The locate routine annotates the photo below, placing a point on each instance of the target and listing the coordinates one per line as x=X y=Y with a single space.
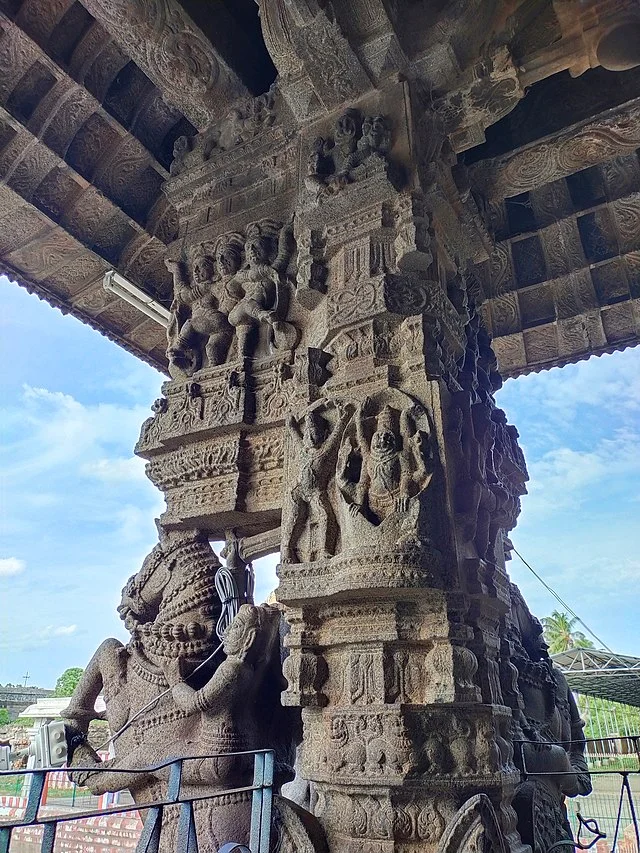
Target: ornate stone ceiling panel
x=564 y=277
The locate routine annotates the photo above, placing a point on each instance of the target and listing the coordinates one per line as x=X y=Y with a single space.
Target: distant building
x=16 y=698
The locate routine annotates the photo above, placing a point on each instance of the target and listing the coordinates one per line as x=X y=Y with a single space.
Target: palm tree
x=559 y=633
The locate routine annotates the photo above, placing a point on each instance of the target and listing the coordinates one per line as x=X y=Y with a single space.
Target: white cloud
x=60 y=631
x=66 y=432
x=11 y=566
x=121 y=470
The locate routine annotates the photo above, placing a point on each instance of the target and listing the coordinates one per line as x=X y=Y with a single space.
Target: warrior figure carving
x=309 y=502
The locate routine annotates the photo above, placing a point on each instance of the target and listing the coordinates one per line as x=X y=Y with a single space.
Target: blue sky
x=77 y=510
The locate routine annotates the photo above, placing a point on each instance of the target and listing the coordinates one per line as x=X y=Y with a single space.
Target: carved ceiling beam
x=174 y=53
x=559 y=155
x=67 y=101
x=88 y=217
x=42 y=257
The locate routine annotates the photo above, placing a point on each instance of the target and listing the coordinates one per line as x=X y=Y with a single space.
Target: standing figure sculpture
x=261 y=292
x=309 y=503
x=389 y=468
x=199 y=332
x=553 y=744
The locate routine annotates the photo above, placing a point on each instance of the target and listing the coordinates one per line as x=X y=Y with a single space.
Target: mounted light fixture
x=122 y=287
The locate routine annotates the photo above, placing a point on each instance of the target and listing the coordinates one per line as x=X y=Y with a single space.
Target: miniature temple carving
x=332 y=394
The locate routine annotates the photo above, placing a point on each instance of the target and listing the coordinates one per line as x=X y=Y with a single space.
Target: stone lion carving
x=235 y=708
x=170 y=608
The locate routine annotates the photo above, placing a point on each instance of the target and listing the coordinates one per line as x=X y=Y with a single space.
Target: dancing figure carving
x=308 y=503
x=199 y=332
x=333 y=163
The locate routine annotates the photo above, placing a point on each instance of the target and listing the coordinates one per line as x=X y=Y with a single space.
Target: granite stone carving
x=337 y=274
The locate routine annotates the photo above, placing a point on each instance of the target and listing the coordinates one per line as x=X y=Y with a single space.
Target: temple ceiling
x=93 y=97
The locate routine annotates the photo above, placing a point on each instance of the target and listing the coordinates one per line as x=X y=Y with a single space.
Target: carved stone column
x=331 y=375
x=401 y=477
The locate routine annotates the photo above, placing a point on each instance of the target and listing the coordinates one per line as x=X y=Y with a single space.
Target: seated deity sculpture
x=261 y=292
x=199 y=332
x=333 y=162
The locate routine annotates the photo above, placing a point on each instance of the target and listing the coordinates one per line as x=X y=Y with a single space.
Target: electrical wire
x=570 y=610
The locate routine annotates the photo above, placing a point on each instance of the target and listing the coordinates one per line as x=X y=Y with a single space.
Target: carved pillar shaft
x=331 y=374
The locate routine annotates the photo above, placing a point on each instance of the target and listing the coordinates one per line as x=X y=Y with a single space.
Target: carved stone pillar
x=401 y=476
x=331 y=376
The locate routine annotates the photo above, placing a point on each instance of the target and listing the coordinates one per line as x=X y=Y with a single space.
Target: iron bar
x=187 y=842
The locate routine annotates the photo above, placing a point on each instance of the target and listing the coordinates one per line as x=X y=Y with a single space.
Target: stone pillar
x=401 y=481
x=331 y=374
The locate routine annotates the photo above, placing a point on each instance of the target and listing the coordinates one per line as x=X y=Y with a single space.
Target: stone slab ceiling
x=94 y=95
x=86 y=141
x=564 y=276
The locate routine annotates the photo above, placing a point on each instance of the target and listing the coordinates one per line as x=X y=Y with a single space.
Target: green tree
x=4 y=717
x=67 y=682
x=560 y=635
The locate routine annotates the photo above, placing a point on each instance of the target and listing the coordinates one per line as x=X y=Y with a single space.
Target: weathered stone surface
x=337 y=275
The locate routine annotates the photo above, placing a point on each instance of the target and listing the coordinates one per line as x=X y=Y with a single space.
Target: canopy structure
x=595 y=672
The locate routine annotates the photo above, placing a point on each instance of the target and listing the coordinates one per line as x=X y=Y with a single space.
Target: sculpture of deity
x=308 y=502
x=261 y=292
x=392 y=465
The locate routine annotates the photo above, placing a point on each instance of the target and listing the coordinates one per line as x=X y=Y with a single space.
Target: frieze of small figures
x=196 y=500
x=201 y=461
x=456 y=744
x=370 y=746
x=380 y=569
x=357 y=149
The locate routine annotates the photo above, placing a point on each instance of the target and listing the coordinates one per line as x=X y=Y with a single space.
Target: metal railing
x=149 y=842
x=613 y=803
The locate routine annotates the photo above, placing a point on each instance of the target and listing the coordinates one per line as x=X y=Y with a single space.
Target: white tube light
x=122 y=287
